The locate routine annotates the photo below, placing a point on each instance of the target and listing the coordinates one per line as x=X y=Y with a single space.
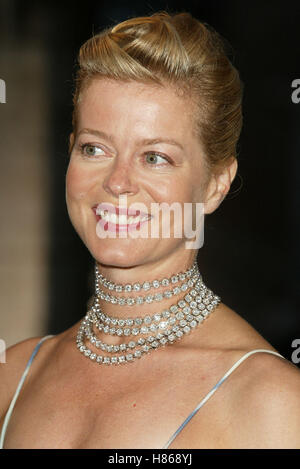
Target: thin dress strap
x=12 y=404
x=213 y=390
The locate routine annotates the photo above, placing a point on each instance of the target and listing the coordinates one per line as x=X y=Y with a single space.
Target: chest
x=117 y=416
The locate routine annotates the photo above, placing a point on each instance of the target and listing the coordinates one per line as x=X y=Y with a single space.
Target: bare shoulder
x=266 y=406
x=11 y=371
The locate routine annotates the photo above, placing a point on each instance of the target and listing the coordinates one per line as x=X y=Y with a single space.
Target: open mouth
x=116 y=221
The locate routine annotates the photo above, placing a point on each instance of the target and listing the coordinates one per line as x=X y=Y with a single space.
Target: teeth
x=121 y=219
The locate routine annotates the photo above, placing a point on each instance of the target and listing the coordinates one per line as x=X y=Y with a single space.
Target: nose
x=120 y=180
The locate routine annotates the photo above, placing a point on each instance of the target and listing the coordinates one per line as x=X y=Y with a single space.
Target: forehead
x=142 y=105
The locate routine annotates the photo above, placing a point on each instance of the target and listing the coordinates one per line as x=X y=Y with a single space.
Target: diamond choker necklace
x=149 y=332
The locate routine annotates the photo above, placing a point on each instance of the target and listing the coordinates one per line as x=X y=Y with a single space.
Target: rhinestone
x=136 y=287
x=130 y=301
x=149 y=299
x=99 y=359
x=119 y=332
x=159 y=336
x=165 y=282
x=146 y=348
x=146 y=286
x=201 y=306
x=199 y=318
x=186 y=329
x=107 y=297
x=158 y=297
x=150 y=339
x=87 y=353
x=139 y=300
x=153 y=327
x=114 y=360
x=205 y=313
x=137 y=354
x=110 y=348
x=206 y=301
x=155 y=283
x=198 y=298
x=184 y=287
x=171 y=337
x=182 y=322
x=82 y=348
x=127 y=331
x=144 y=330
x=186 y=310
x=168 y=294
x=210 y=307
x=116 y=348
x=181 y=303
x=176 y=290
x=174 y=279
x=121 y=301
x=131 y=344
x=135 y=331
x=155 y=344
x=179 y=315
x=164 y=341
x=163 y=325
x=107 y=320
x=129 y=322
x=179 y=334
x=128 y=287
x=190 y=283
x=193 y=293
x=193 y=304
x=141 y=341
x=114 y=300
x=138 y=321
x=112 y=330
x=106 y=329
x=157 y=317
x=121 y=359
x=111 y=286
x=166 y=313
x=174 y=309
x=172 y=321
x=123 y=347
x=193 y=323
x=129 y=357
x=106 y=360
x=121 y=322
x=114 y=321
x=181 y=276
x=189 y=317
x=175 y=329
x=103 y=347
x=147 y=320
x=188 y=298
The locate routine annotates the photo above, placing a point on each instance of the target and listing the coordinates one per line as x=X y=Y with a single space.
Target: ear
x=71 y=142
x=219 y=185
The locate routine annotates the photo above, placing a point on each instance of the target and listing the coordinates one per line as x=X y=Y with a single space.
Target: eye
x=89 y=149
x=153 y=159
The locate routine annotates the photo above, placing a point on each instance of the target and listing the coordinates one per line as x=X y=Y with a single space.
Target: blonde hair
x=178 y=50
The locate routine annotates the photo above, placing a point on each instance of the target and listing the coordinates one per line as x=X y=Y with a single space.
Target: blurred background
x=251 y=252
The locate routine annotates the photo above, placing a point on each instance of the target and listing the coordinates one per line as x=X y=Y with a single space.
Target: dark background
x=251 y=253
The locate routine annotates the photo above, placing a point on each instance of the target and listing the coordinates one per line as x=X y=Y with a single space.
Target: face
x=134 y=140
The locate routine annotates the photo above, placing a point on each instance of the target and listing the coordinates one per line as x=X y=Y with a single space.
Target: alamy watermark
x=2 y=91
x=2 y=351
x=164 y=220
x=295 y=97
x=296 y=353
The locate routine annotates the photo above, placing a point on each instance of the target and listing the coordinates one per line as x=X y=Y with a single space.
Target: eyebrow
x=145 y=141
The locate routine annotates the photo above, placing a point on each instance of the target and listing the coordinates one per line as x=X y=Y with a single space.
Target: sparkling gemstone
x=158 y=297
x=174 y=279
x=171 y=337
x=82 y=348
x=119 y=332
x=141 y=341
x=121 y=322
x=181 y=303
x=111 y=286
x=147 y=320
x=155 y=283
x=199 y=318
x=183 y=322
x=189 y=317
x=146 y=286
x=129 y=322
x=136 y=287
x=184 y=287
x=205 y=313
x=99 y=359
x=179 y=315
x=159 y=336
x=193 y=293
x=112 y=330
x=135 y=331
x=210 y=307
x=193 y=323
x=165 y=282
x=193 y=304
x=127 y=331
x=150 y=339
x=137 y=354
x=131 y=344
x=118 y=288
x=190 y=283
x=179 y=334
x=122 y=359
x=186 y=310
x=171 y=321
x=128 y=287
x=144 y=330
x=114 y=360
x=121 y=301
x=182 y=276
x=114 y=321
x=146 y=348
x=129 y=357
x=130 y=301
x=157 y=317
x=106 y=329
x=164 y=341
x=186 y=329
x=175 y=328
x=188 y=298
x=87 y=353
x=110 y=348
x=176 y=290
x=206 y=301
x=114 y=300
x=163 y=325
x=174 y=309
x=153 y=327
x=123 y=347
x=149 y=299
x=103 y=347
x=168 y=294
x=106 y=360
x=116 y=348
x=138 y=321
x=154 y=344
x=166 y=313
x=139 y=300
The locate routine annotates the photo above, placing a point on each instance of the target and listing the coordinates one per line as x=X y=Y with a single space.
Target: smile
x=114 y=219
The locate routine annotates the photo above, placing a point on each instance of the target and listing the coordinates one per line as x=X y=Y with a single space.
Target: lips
x=114 y=218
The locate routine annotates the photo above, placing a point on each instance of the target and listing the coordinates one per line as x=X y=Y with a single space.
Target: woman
x=157 y=115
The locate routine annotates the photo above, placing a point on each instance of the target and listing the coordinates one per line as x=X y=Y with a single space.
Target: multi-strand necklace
x=150 y=332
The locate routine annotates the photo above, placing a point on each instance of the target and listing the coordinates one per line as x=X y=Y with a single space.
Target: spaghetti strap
x=213 y=390
x=21 y=382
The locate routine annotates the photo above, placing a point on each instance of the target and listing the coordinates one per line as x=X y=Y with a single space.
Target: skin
x=69 y=401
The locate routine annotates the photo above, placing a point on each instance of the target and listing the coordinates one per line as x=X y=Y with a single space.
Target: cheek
x=77 y=183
